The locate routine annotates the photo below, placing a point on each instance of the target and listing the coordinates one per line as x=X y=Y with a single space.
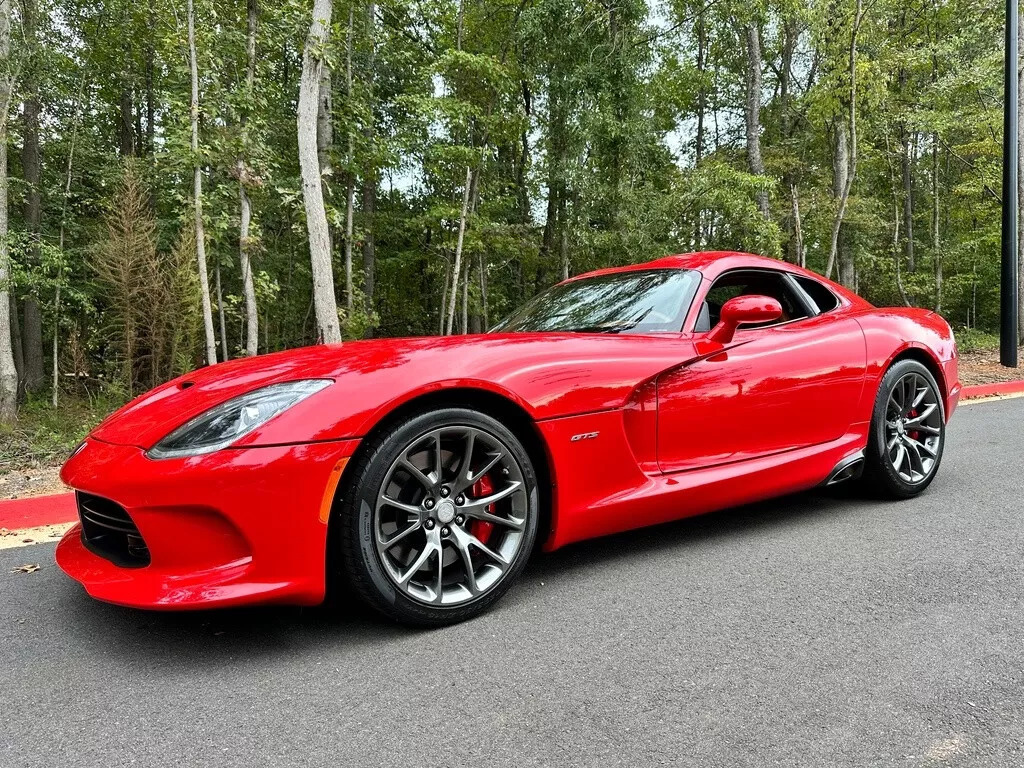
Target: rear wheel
x=440 y=517
x=908 y=431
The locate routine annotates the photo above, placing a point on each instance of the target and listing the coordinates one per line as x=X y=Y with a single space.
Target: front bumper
x=234 y=527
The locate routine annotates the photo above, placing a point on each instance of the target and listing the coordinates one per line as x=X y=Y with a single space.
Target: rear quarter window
x=822 y=297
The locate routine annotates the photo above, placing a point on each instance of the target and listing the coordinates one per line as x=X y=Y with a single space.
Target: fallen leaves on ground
x=27 y=568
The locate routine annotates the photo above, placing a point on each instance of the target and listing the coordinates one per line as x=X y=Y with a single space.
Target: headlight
x=222 y=425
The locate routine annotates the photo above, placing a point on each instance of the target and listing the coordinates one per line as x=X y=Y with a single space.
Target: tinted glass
x=647 y=301
x=753 y=283
x=823 y=298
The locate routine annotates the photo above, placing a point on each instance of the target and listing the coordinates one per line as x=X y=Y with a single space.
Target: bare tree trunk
x=32 y=328
x=8 y=372
x=908 y=200
x=60 y=237
x=464 y=325
x=457 y=268
x=197 y=193
x=252 y=332
x=312 y=189
x=702 y=105
x=483 y=292
x=150 y=68
x=220 y=311
x=852 y=172
x=368 y=193
x=350 y=183
x=126 y=128
x=798 y=238
x=752 y=113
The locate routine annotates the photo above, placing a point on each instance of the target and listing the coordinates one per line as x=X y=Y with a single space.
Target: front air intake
x=109 y=531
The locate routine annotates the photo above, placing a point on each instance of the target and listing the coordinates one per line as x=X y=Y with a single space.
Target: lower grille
x=109 y=531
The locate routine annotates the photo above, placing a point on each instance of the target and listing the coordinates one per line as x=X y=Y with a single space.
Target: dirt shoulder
x=21 y=483
x=982 y=367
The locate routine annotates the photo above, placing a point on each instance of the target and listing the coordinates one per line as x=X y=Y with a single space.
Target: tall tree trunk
x=457 y=269
x=350 y=178
x=752 y=113
x=150 y=69
x=8 y=372
x=368 y=193
x=32 y=328
x=126 y=123
x=197 y=193
x=60 y=237
x=220 y=311
x=790 y=37
x=798 y=238
x=324 y=301
x=847 y=268
x=906 y=163
x=464 y=325
x=252 y=331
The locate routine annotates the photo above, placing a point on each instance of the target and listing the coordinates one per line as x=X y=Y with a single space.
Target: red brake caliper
x=915 y=435
x=481 y=528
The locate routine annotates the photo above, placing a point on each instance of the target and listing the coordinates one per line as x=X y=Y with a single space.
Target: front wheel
x=908 y=431
x=439 y=518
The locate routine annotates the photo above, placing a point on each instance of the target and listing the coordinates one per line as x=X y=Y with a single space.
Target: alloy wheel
x=913 y=428
x=450 y=516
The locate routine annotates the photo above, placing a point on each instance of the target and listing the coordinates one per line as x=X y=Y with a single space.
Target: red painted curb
x=38 y=510
x=999 y=388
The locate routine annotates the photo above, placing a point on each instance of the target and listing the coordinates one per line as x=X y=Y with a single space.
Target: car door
x=787 y=385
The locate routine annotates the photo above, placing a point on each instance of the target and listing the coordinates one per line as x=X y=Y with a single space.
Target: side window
x=750 y=283
x=822 y=297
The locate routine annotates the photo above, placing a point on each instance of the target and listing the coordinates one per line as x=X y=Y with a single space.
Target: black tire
x=358 y=523
x=882 y=473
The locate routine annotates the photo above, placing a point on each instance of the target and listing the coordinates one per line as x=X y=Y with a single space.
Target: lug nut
x=445 y=531
x=429 y=524
x=460 y=499
x=429 y=503
x=445 y=492
x=460 y=520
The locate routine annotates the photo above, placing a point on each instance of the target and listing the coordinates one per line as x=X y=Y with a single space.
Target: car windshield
x=639 y=301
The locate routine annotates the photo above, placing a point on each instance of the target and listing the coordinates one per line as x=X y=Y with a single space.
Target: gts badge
x=584 y=436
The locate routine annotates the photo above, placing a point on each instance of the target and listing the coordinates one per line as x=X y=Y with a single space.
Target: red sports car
x=424 y=471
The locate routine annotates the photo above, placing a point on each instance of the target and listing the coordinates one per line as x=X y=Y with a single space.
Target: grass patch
x=44 y=435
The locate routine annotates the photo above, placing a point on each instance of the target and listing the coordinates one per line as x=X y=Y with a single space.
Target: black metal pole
x=1008 y=281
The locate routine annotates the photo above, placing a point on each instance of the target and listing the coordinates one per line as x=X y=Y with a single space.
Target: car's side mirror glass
x=744 y=310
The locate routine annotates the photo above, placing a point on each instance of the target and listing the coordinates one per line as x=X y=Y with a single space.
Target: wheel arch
x=928 y=360
x=506 y=410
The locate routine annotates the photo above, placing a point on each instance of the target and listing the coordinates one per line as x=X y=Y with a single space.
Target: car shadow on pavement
x=217 y=636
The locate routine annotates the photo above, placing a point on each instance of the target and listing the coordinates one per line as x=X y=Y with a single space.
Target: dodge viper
x=423 y=472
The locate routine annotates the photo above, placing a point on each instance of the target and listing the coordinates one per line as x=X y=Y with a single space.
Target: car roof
x=711 y=264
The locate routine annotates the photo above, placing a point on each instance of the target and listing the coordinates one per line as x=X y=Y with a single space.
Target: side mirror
x=741 y=310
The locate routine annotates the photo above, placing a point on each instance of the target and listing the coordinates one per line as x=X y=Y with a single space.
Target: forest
x=184 y=182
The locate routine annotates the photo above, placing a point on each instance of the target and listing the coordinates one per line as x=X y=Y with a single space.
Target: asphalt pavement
x=816 y=630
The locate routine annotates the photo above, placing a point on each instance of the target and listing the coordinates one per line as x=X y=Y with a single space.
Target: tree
x=32 y=325
x=8 y=373
x=252 y=334
x=324 y=302
x=197 y=192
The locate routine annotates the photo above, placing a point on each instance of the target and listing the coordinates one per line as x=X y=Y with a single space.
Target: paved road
x=811 y=631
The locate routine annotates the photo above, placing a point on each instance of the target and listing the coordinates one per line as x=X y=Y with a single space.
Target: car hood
x=547 y=374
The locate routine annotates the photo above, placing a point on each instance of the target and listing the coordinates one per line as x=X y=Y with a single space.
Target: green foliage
x=578 y=118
